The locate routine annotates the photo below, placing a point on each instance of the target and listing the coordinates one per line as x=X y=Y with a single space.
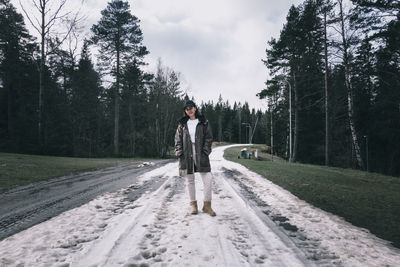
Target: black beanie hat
x=189 y=103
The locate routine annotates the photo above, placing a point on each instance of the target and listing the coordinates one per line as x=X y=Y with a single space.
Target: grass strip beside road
x=367 y=200
x=22 y=169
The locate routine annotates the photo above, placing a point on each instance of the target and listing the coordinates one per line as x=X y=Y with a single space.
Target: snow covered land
x=257 y=224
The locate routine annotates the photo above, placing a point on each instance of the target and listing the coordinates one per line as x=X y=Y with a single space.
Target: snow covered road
x=25 y=206
x=257 y=224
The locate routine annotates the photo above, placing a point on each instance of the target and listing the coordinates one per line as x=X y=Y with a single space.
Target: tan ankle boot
x=195 y=210
x=207 y=208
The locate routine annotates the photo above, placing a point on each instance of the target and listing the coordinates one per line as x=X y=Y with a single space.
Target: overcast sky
x=216 y=45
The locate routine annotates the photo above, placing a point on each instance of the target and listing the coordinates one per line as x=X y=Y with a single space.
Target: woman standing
x=193 y=141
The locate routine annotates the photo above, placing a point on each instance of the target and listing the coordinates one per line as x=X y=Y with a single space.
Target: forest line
x=340 y=63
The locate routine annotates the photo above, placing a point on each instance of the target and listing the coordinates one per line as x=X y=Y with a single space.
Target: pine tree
x=386 y=110
x=120 y=40
x=85 y=106
x=295 y=62
x=135 y=110
x=17 y=81
x=283 y=58
x=325 y=9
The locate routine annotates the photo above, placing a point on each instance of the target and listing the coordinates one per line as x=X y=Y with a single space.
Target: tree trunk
x=74 y=137
x=296 y=118
x=157 y=127
x=99 y=132
x=10 y=109
x=41 y=75
x=350 y=108
x=326 y=95
x=350 y=111
x=287 y=146
x=116 y=106
x=272 y=132
x=240 y=125
x=165 y=132
x=132 y=130
x=220 y=127
x=290 y=124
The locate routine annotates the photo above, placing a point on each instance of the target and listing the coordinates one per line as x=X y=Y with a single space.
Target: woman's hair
x=196 y=113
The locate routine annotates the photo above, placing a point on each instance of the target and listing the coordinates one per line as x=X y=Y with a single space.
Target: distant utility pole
x=253 y=131
x=250 y=134
x=248 y=126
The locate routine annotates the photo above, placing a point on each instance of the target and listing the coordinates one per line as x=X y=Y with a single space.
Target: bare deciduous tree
x=350 y=101
x=45 y=18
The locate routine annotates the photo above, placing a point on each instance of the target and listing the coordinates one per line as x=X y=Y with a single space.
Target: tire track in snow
x=289 y=233
x=125 y=232
x=258 y=242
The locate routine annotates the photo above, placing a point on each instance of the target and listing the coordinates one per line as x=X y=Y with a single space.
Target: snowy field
x=257 y=224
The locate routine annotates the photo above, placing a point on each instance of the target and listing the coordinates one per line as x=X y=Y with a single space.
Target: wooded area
x=54 y=104
x=341 y=63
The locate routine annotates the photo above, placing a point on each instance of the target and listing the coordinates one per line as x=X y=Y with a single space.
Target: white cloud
x=217 y=45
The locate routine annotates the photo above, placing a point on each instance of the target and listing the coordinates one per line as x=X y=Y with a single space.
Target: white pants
x=207 y=182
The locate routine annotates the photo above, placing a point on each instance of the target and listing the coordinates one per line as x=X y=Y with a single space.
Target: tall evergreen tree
x=62 y=65
x=135 y=111
x=274 y=93
x=17 y=80
x=364 y=74
x=119 y=37
x=325 y=9
x=283 y=58
x=309 y=85
x=387 y=101
x=85 y=105
x=296 y=57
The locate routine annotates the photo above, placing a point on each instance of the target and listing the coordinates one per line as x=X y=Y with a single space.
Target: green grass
x=367 y=200
x=21 y=169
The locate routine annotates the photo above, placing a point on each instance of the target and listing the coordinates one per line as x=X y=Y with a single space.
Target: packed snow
x=257 y=224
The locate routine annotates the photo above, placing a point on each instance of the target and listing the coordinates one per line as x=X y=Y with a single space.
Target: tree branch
x=29 y=18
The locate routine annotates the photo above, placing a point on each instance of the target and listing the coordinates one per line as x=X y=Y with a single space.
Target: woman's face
x=190 y=111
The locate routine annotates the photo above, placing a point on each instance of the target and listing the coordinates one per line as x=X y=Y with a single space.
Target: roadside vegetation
x=367 y=200
x=22 y=169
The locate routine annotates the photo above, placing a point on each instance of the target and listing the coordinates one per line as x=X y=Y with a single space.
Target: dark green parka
x=183 y=146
